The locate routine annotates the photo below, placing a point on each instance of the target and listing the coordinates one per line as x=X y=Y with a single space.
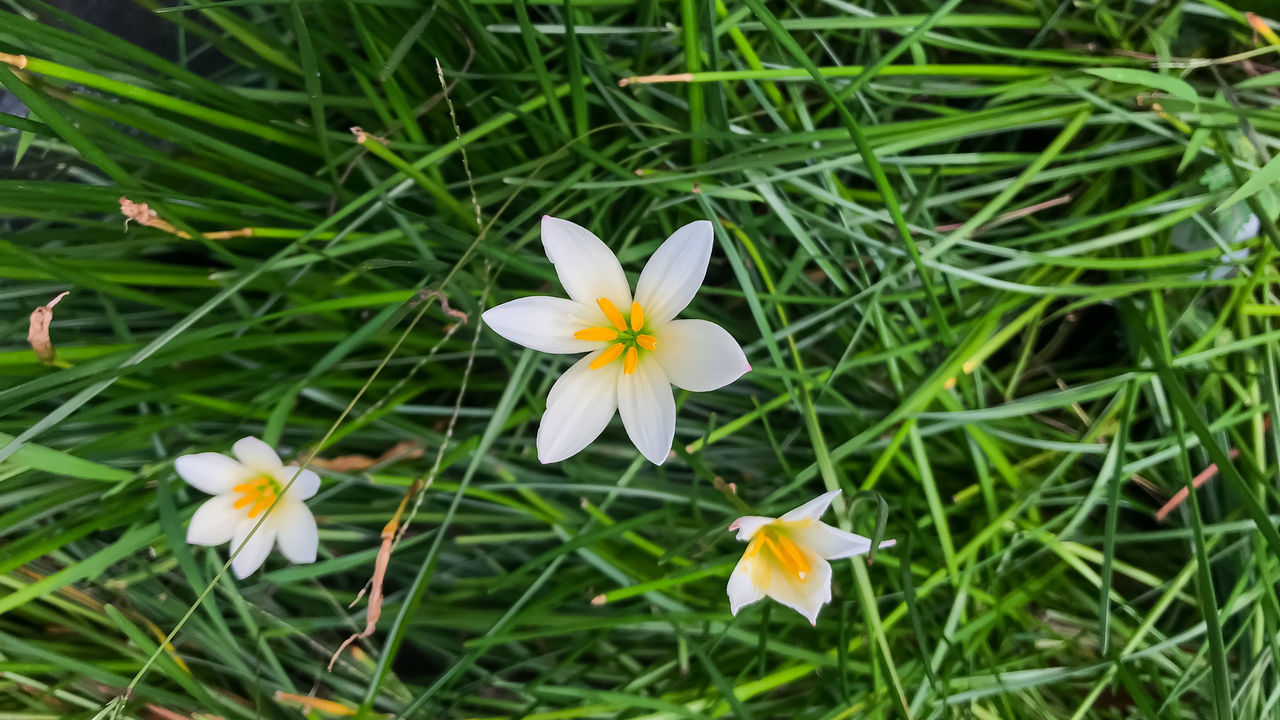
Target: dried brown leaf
x=38 y=332
x=142 y=214
x=403 y=450
x=379 y=573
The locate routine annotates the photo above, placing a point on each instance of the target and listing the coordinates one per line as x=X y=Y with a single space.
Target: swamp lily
x=243 y=489
x=636 y=349
x=786 y=558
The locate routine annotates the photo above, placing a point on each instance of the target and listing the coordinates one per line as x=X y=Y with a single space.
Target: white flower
x=634 y=357
x=786 y=558
x=241 y=492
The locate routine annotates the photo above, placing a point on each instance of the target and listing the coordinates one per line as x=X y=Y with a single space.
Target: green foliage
x=972 y=250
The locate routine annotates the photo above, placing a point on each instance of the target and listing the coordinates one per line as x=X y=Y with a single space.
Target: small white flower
x=634 y=357
x=241 y=492
x=786 y=558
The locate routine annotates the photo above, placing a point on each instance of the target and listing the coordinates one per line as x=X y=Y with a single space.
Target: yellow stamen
x=264 y=502
x=607 y=356
x=597 y=334
x=257 y=495
x=629 y=364
x=648 y=342
x=612 y=312
x=788 y=554
x=793 y=558
x=637 y=317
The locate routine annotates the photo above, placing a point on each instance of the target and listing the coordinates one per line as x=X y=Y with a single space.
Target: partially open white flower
x=786 y=558
x=242 y=490
x=637 y=349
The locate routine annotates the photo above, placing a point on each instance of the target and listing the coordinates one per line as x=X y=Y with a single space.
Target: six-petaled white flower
x=786 y=558
x=636 y=348
x=242 y=491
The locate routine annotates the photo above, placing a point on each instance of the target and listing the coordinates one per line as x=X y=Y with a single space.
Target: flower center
x=627 y=335
x=256 y=494
x=784 y=550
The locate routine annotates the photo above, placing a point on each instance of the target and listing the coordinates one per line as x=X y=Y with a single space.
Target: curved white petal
x=296 y=531
x=675 y=272
x=748 y=525
x=805 y=596
x=256 y=455
x=579 y=406
x=210 y=472
x=811 y=510
x=307 y=484
x=742 y=589
x=698 y=355
x=648 y=410
x=215 y=521
x=830 y=542
x=587 y=268
x=256 y=548
x=545 y=324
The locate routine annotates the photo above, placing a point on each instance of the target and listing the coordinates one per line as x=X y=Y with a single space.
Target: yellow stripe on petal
x=607 y=356
x=633 y=359
x=792 y=557
x=788 y=554
x=637 y=317
x=612 y=312
x=597 y=334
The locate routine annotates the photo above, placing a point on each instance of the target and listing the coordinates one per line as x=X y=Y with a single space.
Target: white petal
x=748 y=525
x=256 y=455
x=256 y=548
x=210 y=472
x=832 y=543
x=545 y=324
x=675 y=272
x=215 y=521
x=804 y=596
x=305 y=486
x=296 y=531
x=742 y=590
x=587 y=268
x=579 y=406
x=811 y=510
x=698 y=355
x=648 y=410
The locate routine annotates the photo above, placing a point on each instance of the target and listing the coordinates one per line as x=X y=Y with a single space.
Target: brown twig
x=142 y=214
x=1179 y=497
x=654 y=79
x=1205 y=476
x=1012 y=214
x=380 y=564
x=395 y=528
x=18 y=61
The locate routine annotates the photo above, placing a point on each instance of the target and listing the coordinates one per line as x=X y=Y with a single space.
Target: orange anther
x=597 y=334
x=607 y=356
x=633 y=359
x=612 y=312
x=648 y=342
x=637 y=317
